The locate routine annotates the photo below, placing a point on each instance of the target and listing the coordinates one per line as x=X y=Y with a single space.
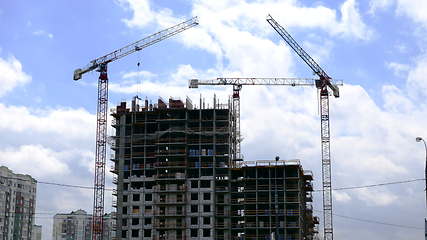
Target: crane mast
x=100 y=65
x=324 y=83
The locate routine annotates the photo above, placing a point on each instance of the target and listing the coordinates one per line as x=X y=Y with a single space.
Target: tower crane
x=324 y=85
x=100 y=65
x=237 y=84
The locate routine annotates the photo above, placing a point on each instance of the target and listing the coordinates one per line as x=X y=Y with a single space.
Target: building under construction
x=177 y=179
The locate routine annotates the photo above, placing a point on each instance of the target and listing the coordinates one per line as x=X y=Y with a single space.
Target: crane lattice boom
x=100 y=64
x=194 y=83
x=324 y=77
x=136 y=46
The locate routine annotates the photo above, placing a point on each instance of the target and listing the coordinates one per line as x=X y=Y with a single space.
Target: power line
x=56 y=184
x=338 y=215
x=374 y=185
x=373 y=221
x=317 y=190
x=36 y=215
x=70 y=185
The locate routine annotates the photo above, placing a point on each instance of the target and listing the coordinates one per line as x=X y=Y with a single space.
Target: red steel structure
x=323 y=85
x=100 y=65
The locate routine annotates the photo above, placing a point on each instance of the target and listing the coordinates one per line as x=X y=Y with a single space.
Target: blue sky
x=376 y=47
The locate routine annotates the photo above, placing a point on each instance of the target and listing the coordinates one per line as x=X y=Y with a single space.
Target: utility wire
x=338 y=215
x=56 y=184
x=317 y=190
x=69 y=185
x=374 y=185
x=374 y=222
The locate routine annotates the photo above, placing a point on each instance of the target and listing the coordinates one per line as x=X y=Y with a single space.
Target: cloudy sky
x=377 y=47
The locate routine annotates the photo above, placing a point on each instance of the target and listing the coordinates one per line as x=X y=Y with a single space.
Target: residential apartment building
x=17 y=205
x=37 y=232
x=176 y=179
x=72 y=226
x=77 y=225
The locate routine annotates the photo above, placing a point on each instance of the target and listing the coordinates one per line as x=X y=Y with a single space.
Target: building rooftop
x=6 y=172
x=138 y=105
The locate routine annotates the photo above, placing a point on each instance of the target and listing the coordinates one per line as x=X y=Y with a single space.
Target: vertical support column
x=236 y=130
x=276 y=200
x=144 y=186
x=100 y=154
x=186 y=191
x=270 y=199
x=326 y=164
x=285 y=209
x=231 y=161
x=199 y=170
x=213 y=196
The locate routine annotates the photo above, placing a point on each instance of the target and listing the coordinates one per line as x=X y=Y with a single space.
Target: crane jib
x=136 y=46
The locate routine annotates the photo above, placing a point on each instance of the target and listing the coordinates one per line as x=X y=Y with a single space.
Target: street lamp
x=419 y=139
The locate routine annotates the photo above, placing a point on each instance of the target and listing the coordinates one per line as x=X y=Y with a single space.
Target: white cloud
x=184 y=73
x=25 y=159
x=417 y=82
x=401 y=47
x=396 y=101
x=143 y=74
x=251 y=15
x=12 y=75
x=43 y=33
x=375 y=5
x=352 y=24
x=341 y=196
x=177 y=85
x=413 y=9
x=141 y=10
x=72 y=124
x=399 y=69
x=52 y=145
x=224 y=25
x=320 y=50
x=59 y=141
x=376 y=197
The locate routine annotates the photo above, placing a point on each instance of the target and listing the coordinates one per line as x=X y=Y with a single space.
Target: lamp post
x=419 y=139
